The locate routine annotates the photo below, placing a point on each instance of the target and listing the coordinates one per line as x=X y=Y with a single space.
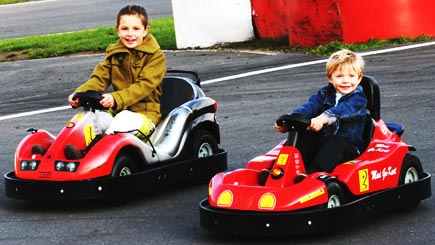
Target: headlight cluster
x=66 y=166
x=29 y=165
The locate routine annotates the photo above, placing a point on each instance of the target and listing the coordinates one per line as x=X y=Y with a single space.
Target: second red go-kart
x=183 y=147
x=385 y=176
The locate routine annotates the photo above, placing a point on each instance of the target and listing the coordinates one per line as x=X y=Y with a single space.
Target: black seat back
x=371 y=90
x=372 y=93
x=175 y=92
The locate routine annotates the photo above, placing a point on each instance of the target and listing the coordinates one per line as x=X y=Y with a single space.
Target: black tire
x=411 y=169
x=335 y=195
x=124 y=165
x=204 y=145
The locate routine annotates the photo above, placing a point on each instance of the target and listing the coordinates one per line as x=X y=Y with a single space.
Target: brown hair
x=133 y=10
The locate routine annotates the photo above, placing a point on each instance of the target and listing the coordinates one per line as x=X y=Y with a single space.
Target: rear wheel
x=411 y=170
x=124 y=165
x=335 y=195
x=204 y=145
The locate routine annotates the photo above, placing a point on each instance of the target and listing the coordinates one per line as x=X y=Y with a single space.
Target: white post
x=204 y=23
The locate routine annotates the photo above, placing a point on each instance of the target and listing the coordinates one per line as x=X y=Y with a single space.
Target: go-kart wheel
x=204 y=145
x=411 y=169
x=124 y=165
x=335 y=195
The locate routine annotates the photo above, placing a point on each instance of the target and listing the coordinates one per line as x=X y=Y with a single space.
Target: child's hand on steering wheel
x=108 y=101
x=318 y=122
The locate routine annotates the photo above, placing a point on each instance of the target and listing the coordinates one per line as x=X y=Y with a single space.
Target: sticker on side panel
x=282 y=159
x=89 y=133
x=363 y=180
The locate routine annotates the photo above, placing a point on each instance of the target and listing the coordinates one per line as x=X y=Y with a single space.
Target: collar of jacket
x=330 y=94
x=149 y=45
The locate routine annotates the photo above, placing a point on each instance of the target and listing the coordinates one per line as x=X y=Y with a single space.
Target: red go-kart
x=384 y=177
x=183 y=147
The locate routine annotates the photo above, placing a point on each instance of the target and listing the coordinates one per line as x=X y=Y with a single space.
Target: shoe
x=38 y=149
x=300 y=177
x=262 y=176
x=71 y=152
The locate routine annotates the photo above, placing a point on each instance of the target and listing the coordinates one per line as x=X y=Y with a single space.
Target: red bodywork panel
x=79 y=131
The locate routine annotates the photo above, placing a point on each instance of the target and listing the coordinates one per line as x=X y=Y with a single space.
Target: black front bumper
x=303 y=222
x=115 y=187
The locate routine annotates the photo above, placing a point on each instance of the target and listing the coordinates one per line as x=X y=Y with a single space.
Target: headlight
x=66 y=166
x=60 y=166
x=29 y=165
x=225 y=199
x=267 y=201
x=71 y=166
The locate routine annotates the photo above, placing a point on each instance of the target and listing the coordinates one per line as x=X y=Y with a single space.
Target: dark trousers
x=323 y=153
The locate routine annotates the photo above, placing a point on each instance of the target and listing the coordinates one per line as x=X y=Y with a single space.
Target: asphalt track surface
x=248 y=106
x=54 y=16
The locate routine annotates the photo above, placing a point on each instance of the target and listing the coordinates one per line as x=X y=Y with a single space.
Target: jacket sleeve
x=99 y=79
x=313 y=107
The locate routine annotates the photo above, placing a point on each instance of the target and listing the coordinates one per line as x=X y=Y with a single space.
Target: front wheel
x=124 y=165
x=335 y=195
x=204 y=145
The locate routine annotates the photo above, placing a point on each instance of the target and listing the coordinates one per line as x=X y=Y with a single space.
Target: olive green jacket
x=135 y=75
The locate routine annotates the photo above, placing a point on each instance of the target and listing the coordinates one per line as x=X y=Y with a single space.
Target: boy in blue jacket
x=337 y=112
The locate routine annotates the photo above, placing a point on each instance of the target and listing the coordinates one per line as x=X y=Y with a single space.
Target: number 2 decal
x=363 y=180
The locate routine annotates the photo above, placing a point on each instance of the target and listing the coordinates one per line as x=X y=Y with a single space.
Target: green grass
x=86 y=41
x=13 y=1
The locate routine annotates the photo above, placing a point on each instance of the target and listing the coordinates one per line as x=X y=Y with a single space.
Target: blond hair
x=344 y=58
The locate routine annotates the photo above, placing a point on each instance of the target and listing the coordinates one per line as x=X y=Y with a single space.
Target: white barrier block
x=204 y=23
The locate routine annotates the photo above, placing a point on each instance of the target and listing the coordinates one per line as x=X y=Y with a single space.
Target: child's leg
x=105 y=119
x=333 y=150
x=308 y=145
x=128 y=121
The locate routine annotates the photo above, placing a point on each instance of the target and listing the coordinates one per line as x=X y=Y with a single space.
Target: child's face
x=131 y=30
x=345 y=80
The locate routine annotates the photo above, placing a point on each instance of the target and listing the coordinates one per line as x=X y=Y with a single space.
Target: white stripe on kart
x=247 y=74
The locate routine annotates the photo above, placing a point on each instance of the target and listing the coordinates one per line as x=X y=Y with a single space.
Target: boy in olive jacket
x=135 y=67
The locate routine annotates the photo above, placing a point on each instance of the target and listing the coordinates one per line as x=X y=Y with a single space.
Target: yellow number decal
x=89 y=133
x=363 y=180
x=282 y=159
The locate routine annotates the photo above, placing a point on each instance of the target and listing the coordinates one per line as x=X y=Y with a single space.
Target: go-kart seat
x=371 y=91
x=175 y=92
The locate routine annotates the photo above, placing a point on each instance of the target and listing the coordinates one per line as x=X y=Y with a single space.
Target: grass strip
x=86 y=41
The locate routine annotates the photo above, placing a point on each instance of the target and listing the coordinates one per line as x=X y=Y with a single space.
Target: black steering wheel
x=89 y=100
x=293 y=122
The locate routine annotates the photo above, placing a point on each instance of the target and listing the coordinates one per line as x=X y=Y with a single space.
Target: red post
x=313 y=22
x=269 y=17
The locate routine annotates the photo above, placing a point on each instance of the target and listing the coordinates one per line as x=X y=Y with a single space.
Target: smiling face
x=345 y=79
x=131 y=30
